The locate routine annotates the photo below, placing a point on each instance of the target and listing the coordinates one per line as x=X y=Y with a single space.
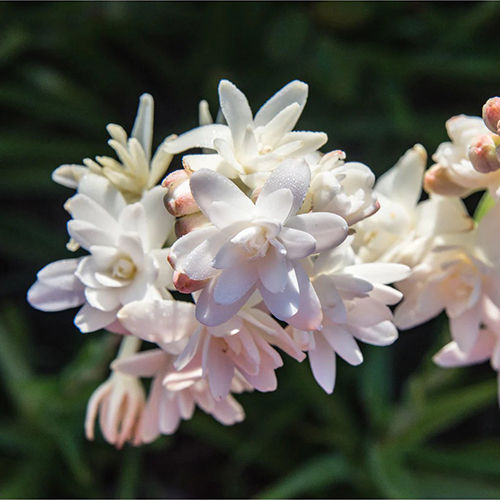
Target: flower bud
x=184 y=284
x=491 y=114
x=188 y=223
x=437 y=180
x=484 y=154
x=179 y=200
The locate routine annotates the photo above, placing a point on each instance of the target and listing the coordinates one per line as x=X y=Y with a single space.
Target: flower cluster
x=262 y=245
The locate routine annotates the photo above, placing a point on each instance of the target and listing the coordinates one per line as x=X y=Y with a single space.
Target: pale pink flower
x=354 y=298
x=256 y=246
x=174 y=394
x=244 y=344
x=248 y=146
x=491 y=114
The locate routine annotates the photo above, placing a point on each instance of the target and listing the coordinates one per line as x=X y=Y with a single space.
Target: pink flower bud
x=179 y=200
x=484 y=154
x=188 y=223
x=491 y=114
x=184 y=284
x=437 y=180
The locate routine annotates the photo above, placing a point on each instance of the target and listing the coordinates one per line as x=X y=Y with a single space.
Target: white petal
x=133 y=220
x=104 y=193
x=386 y=294
x=220 y=369
x=273 y=270
x=142 y=364
x=61 y=274
x=465 y=328
x=234 y=283
x=487 y=234
x=47 y=298
x=69 y=175
x=294 y=175
x=208 y=187
x=329 y=230
x=451 y=355
x=200 y=137
x=299 y=244
x=229 y=255
x=143 y=125
x=367 y=312
x=379 y=272
x=90 y=319
x=276 y=204
x=104 y=299
x=236 y=110
x=159 y=221
x=330 y=298
x=281 y=124
x=187 y=243
x=293 y=92
x=131 y=245
x=343 y=343
x=87 y=234
x=322 y=361
x=384 y=333
x=307 y=142
x=210 y=161
x=86 y=272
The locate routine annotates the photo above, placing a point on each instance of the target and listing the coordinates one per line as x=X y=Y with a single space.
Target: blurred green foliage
x=382 y=76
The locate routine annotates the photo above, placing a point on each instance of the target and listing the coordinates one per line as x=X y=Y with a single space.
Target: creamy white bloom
x=345 y=189
x=243 y=345
x=458 y=276
x=248 y=145
x=354 y=299
x=174 y=395
x=256 y=246
x=136 y=171
x=403 y=229
x=126 y=261
x=453 y=174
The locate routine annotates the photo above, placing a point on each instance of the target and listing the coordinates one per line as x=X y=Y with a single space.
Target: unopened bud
x=437 y=180
x=179 y=199
x=484 y=154
x=491 y=114
x=188 y=223
x=184 y=284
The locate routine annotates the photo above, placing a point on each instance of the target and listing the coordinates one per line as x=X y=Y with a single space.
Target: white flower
x=248 y=146
x=241 y=345
x=403 y=230
x=136 y=171
x=345 y=189
x=453 y=174
x=126 y=260
x=174 y=395
x=458 y=276
x=256 y=245
x=354 y=299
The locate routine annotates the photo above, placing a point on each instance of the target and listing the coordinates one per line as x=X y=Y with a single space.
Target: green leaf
x=484 y=206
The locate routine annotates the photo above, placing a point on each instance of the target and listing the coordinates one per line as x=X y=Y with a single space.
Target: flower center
x=123 y=268
x=255 y=239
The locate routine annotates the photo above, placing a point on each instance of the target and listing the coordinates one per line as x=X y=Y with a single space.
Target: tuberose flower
x=256 y=246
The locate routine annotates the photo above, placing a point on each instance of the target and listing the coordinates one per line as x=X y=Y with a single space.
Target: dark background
x=382 y=77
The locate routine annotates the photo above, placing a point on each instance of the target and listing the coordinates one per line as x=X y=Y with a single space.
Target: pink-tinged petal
x=60 y=274
x=487 y=232
x=116 y=327
x=247 y=357
x=228 y=411
x=142 y=364
x=200 y=137
x=236 y=110
x=86 y=209
x=184 y=284
x=219 y=368
x=343 y=344
x=323 y=364
x=104 y=299
x=367 y=312
x=234 y=283
x=208 y=187
x=329 y=230
x=294 y=175
x=495 y=357
x=385 y=333
x=386 y=294
x=210 y=313
x=211 y=161
x=185 y=404
x=309 y=316
x=90 y=319
x=149 y=428
x=87 y=234
x=95 y=401
x=379 y=272
x=169 y=415
x=273 y=270
x=491 y=286
x=330 y=298
x=451 y=355
x=264 y=381
x=465 y=328
x=275 y=205
x=284 y=304
x=186 y=244
x=298 y=244
x=190 y=351
x=49 y=299
x=159 y=321
x=294 y=92
x=281 y=124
